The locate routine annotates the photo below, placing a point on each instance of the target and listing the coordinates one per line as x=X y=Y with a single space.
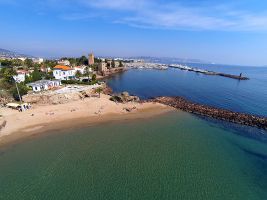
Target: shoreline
x=76 y=114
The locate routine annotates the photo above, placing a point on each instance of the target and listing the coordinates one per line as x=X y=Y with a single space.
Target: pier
x=217 y=113
x=207 y=72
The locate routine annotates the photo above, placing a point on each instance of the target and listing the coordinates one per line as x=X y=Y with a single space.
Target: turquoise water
x=175 y=156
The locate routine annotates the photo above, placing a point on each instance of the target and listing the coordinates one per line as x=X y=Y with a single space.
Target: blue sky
x=226 y=31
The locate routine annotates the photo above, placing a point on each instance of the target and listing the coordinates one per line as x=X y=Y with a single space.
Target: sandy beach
x=42 y=118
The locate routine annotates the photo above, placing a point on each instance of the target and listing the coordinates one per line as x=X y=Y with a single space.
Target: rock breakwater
x=217 y=113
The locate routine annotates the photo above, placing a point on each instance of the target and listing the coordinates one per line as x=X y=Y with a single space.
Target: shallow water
x=174 y=156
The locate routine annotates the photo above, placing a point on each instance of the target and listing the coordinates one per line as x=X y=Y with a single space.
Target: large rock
x=125 y=97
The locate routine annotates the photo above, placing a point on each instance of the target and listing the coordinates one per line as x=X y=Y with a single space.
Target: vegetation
x=99 y=90
x=77 y=61
x=78 y=74
x=98 y=60
x=71 y=82
x=23 y=89
x=6 y=74
x=8 y=82
x=120 y=65
x=112 y=64
x=94 y=77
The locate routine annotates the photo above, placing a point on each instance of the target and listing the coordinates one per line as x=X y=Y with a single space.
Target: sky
x=226 y=31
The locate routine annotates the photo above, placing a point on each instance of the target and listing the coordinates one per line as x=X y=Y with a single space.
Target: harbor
x=144 y=65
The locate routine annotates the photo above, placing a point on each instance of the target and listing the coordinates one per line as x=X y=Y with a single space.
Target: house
x=64 y=62
x=82 y=69
x=62 y=72
x=44 y=85
x=21 y=75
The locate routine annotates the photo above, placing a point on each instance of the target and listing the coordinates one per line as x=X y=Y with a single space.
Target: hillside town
x=23 y=79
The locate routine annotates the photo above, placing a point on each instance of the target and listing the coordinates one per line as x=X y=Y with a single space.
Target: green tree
x=113 y=64
x=99 y=90
x=98 y=60
x=36 y=75
x=78 y=74
x=94 y=77
x=23 y=90
x=6 y=63
x=29 y=63
x=82 y=61
x=120 y=65
x=27 y=79
x=7 y=74
x=16 y=62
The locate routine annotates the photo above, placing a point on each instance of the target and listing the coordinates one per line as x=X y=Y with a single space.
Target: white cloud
x=158 y=14
x=155 y=14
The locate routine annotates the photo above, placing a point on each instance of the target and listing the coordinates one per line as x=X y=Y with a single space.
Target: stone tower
x=91 y=59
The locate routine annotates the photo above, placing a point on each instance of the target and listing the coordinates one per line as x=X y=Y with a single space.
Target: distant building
x=21 y=75
x=42 y=85
x=61 y=72
x=38 y=60
x=64 y=62
x=102 y=67
x=117 y=64
x=91 y=59
x=22 y=58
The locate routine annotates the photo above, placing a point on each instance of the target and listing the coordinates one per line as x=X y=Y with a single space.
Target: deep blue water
x=242 y=96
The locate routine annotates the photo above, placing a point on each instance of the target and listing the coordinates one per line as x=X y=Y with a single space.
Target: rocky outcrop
x=124 y=97
x=221 y=114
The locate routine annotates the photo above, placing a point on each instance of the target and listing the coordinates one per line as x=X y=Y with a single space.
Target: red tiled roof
x=62 y=67
x=22 y=72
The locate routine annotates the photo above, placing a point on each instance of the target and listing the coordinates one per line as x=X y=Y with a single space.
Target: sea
x=173 y=156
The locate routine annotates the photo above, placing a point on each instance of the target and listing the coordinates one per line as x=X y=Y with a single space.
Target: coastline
x=76 y=114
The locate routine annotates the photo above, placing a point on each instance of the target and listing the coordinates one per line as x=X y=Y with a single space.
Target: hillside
x=11 y=54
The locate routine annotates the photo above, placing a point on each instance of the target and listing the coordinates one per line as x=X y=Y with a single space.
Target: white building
x=22 y=58
x=42 y=85
x=82 y=69
x=63 y=72
x=64 y=62
x=21 y=76
x=38 y=60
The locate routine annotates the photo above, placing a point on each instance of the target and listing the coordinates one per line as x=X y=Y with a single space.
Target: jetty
x=207 y=72
x=217 y=113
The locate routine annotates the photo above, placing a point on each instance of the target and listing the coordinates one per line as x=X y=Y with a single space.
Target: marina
x=143 y=65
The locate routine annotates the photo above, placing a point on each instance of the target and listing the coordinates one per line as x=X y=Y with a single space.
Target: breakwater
x=217 y=113
x=207 y=72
